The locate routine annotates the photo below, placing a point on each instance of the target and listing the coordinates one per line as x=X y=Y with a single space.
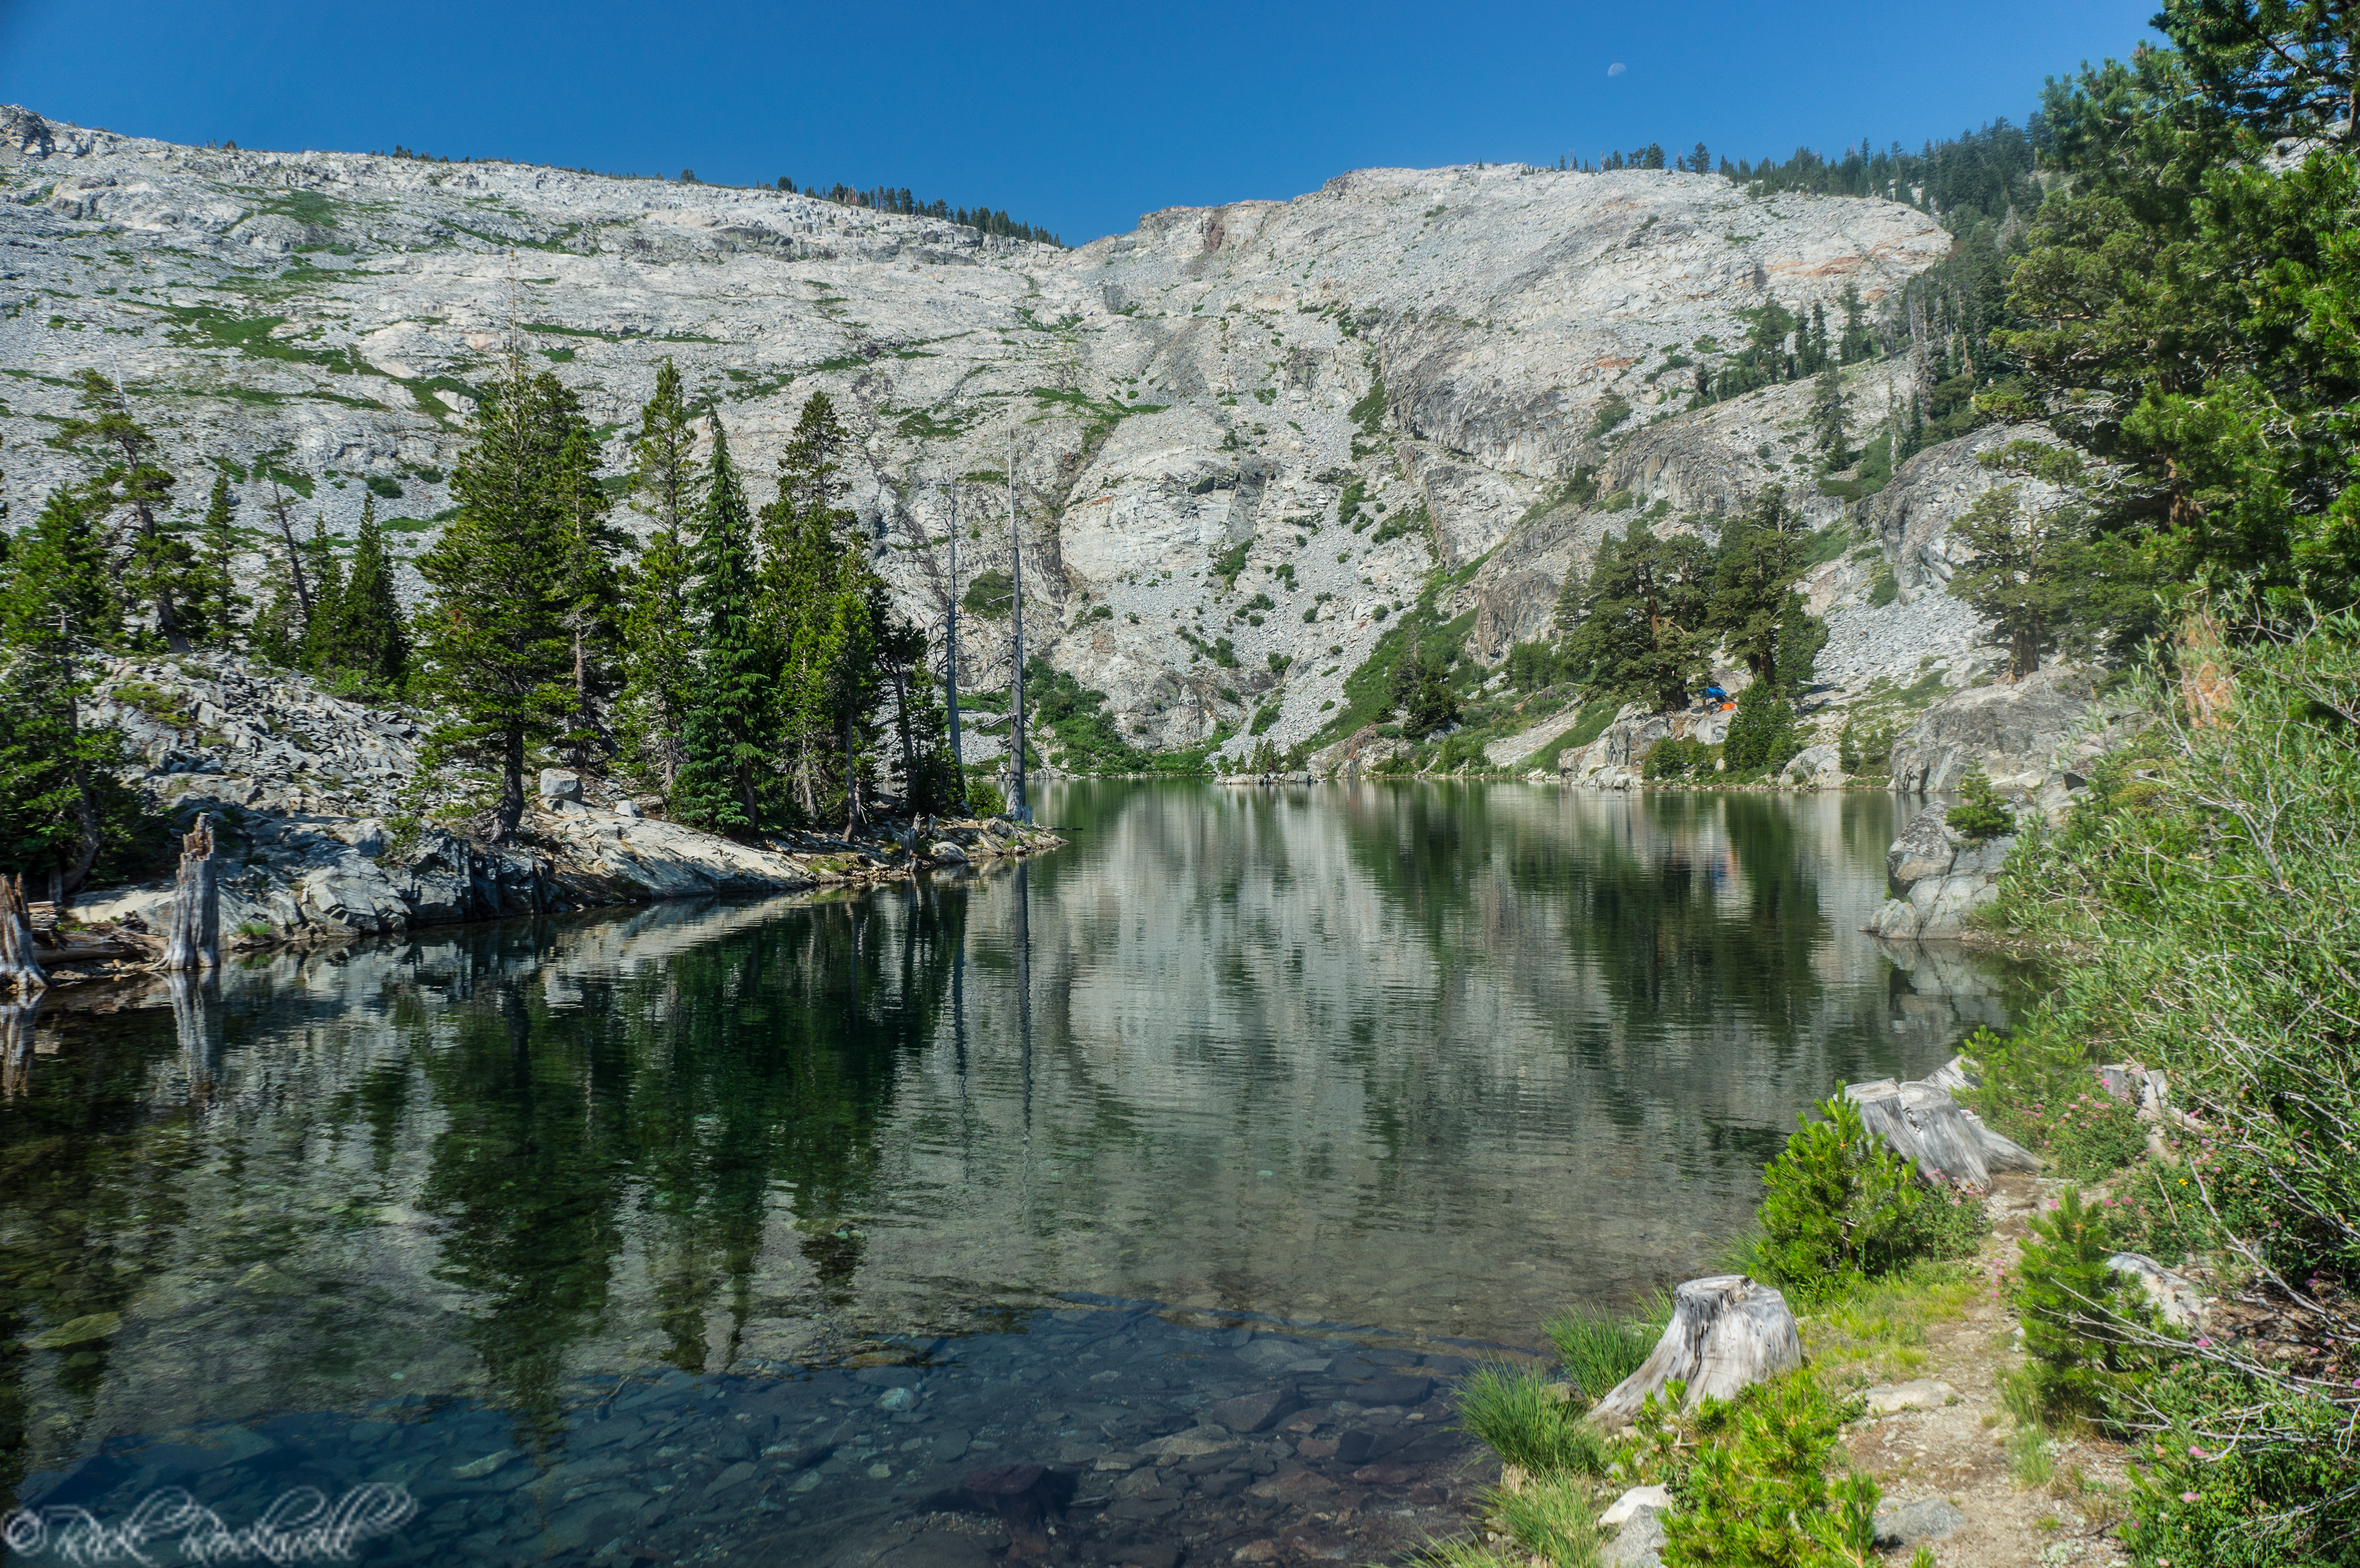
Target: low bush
x=1675 y=759
x=1757 y=1478
x=1763 y=735
x=2077 y=1313
x=1982 y=814
x=2093 y=1134
x=985 y=798
x=1836 y=1205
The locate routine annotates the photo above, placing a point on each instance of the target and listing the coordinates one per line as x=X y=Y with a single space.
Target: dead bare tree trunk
x=194 y=940
x=1726 y=1331
x=18 y=973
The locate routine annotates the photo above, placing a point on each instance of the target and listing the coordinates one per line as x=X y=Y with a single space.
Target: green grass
x=1600 y=1348
x=1553 y=1517
x=1518 y=1413
x=250 y=335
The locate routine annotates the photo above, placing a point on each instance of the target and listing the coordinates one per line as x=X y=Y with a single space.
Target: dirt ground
x=1959 y=1452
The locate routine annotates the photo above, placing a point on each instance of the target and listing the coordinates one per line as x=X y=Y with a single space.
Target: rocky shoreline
x=306 y=793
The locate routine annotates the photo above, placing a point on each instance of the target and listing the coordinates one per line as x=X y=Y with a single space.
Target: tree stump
x=194 y=939
x=1727 y=1331
x=18 y=973
x=1921 y=1123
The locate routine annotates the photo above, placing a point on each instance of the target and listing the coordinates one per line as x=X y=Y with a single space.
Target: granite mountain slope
x=1189 y=407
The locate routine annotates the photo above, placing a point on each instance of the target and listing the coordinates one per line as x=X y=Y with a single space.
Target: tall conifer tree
x=215 y=603
x=124 y=454
x=659 y=663
x=368 y=640
x=61 y=805
x=495 y=643
x=726 y=735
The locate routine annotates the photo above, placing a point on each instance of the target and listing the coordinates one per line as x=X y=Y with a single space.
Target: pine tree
x=494 y=643
x=658 y=647
x=128 y=476
x=216 y=605
x=1828 y=416
x=821 y=601
x=593 y=595
x=1754 y=607
x=368 y=642
x=2021 y=579
x=62 y=807
x=323 y=650
x=1570 y=600
x=725 y=733
x=1643 y=612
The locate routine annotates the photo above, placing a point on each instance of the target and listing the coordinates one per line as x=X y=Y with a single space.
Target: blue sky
x=1077 y=117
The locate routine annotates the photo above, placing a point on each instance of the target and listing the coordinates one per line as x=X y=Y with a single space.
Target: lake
x=749 y=1230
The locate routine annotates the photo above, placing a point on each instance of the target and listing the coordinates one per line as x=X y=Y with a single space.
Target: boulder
x=1658 y=1498
x=559 y=784
x=1252 y=1412
x=1917 y=1394
x=2171 y=1294
x=1813 y=767
x=1940 y=877
x=1637 y=1518
x=1906 y=1524
x=2013 y=730
x=946 y=851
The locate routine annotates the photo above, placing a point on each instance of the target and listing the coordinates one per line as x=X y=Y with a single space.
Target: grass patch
x=1600 y=1348
x=1527 y=1422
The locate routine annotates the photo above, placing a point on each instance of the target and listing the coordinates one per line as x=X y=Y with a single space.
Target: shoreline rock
x=305 y=790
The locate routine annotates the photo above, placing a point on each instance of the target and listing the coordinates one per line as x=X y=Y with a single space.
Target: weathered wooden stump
x=1921 y=1123
x=1727 y=1331
x=194 y=940
x=18 y=972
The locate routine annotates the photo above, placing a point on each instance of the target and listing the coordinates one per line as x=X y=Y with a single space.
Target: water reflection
x=1427 y=1058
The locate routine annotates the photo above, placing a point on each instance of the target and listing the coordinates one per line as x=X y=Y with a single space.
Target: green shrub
x=985 y=798
x=1752 y=1479
x=2242 y=1476
x=1763 y=735
x=1518 y=1412
x=2159 y=1209
x=1836 y=1206
x=2093 y=1134
x=1869 y=751
x=2074 y=1310
x=1982 y=814
x=1675 y=759
x=1944 y=1225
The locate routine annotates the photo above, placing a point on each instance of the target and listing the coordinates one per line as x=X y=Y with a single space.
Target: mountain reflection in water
x=1430 y=1059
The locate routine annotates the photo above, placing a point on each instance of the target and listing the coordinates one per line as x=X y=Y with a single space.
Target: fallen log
x=1727 y=1331
x=1921 y=1123
x=18 y=972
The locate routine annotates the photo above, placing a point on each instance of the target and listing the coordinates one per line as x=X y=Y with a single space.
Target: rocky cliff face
x=1202 y=392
